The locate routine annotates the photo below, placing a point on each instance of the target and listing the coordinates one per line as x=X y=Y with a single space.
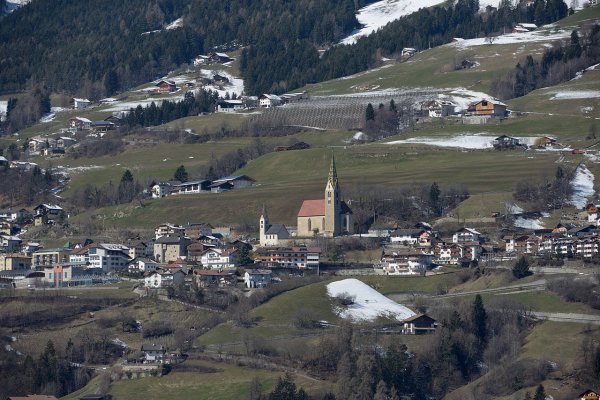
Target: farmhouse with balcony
x=221 y=58
x=206 y=277
x=437 y=108
x=48 y=214
x=79 y=124
x=419 y=324
x=219 y=80
x=165 y=86
x=217 y=258
x=269 y=100
x=296 y=257
x=419 y=237
x=405 y=261
x=101 y=126
x=485 y=107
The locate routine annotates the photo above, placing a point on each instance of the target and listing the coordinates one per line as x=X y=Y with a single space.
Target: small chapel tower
x=264 y=225
x=333 y=203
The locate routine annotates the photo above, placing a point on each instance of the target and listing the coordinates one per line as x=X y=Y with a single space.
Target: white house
x=466 y=235
x=163 y=279
x=153 y=353
x=142 y=265
x=269 y=100
x=80 y=104
x=162 y=189
x=229 y=106
x=419 y=237
x=219 y=258
x=257 y=278
x=408 y=52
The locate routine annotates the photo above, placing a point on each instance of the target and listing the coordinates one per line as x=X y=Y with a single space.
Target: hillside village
x=421 y=225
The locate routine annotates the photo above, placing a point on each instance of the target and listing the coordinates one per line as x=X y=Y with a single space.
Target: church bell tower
x=333 y=205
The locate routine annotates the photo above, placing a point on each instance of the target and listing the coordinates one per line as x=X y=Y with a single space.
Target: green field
x=232 y=382
x=285 y=179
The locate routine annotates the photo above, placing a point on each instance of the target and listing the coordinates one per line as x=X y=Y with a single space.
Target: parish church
x=329 y=216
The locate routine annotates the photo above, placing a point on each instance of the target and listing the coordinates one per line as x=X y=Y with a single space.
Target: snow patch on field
x=511 y=38
x=70 y=170
x=236 y=85
x=379 y=14
x=48 y=118
x=125 y=106
x=465 y=141
x=369 y=304
x=576 y=94
x=462 y=97
x=583 y=186
x=178 y=23
x=529 y=223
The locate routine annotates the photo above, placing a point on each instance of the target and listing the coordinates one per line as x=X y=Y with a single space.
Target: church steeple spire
x=264 y=212
x=332 y=173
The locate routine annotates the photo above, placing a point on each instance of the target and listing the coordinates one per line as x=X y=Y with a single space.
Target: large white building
x=219 y=258
x=108 y=256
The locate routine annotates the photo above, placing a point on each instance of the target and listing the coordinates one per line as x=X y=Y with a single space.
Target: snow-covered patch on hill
x=12 y=5
x=126 y=105
x=48 y=118
x=464 y=141
x=511 y=38
x=462 y=97
x=178 y=23
x=369 y=304
x=530 y=223
x=576 y=94
x=379 y=14
x=583 y=187
x=235 y=85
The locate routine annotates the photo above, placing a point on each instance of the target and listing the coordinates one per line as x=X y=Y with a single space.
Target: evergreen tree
x=540 y=393
x=434 y=198
x=284 y=390
x=127 y=176
x=393 y=106
x=596 y=364
x=521 y=268
x=479 y=319
x=370 y=113
x=181 y=174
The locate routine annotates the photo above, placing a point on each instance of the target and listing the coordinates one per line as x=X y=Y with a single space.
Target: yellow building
x=12 y=262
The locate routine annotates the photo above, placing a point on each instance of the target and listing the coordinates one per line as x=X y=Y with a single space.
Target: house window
x=309 y=225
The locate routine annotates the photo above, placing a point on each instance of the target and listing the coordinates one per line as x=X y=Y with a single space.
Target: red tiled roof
x=311 y=208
